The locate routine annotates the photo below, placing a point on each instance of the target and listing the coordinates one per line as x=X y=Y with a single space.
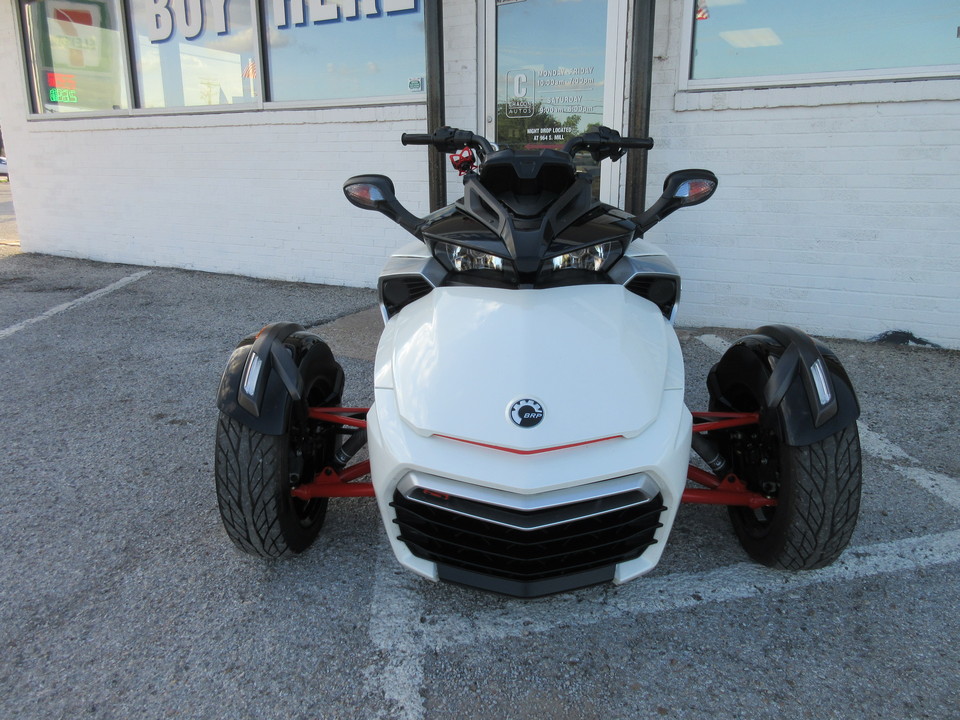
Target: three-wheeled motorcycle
x=528 y=433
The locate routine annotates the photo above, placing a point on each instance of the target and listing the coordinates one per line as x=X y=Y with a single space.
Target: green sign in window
x=75 y=55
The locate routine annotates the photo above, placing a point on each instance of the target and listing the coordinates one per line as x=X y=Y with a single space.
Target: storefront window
x=75 y=55
x=193 y=52
x=771 y=38
x=325 y=50
x=86 y=55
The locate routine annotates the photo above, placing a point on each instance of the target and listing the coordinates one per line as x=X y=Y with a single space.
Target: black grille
x=527 y=546
x=398 y=291
x=661 y=291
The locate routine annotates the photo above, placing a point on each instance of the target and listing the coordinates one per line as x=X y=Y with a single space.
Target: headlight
x=464 y=259
x=594 y=258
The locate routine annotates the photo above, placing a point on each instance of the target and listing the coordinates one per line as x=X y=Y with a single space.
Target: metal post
x=641 y=68
x=436 y=116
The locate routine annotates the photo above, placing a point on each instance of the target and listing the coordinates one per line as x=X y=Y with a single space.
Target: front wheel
x=255 y=472
x=817 y=487
x=812 y=470
x=253 y=475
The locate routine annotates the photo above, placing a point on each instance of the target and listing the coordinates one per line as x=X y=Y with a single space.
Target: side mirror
x=690 y=187
x=376 y=192
x=370 y=192
x=682 y=188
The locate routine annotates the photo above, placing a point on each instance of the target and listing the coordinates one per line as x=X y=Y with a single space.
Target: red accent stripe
x=527 y=452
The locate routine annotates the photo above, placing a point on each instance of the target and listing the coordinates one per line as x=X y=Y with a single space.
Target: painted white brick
x=837 y=205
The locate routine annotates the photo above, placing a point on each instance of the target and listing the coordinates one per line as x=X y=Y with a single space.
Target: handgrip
x=605 y=143
x=636 y=143
x=416 y=139
x=449 y=140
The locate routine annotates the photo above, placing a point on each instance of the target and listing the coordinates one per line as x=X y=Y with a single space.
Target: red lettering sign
x=62 y=80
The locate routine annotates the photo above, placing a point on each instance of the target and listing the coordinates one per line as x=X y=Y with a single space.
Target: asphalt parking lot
x=121 y=596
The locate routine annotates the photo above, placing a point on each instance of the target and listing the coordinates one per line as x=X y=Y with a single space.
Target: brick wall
x=204 y=192
x=837 y=209
x=460 y=60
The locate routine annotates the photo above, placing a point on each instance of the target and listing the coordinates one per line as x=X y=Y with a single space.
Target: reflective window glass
x=550 y=74
x=193 y=52
x=550 y=70
x=75 y=54
x=326 y=50
x=741 y=39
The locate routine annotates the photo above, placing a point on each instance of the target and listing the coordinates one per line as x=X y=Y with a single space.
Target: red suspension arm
x=706 y=421
x=330 y=482
x=730 y=490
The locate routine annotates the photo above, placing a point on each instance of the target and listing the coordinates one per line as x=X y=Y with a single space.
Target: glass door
x=554 y=70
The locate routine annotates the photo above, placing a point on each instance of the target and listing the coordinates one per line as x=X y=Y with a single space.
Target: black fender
x=268 y=373
x=798 y=385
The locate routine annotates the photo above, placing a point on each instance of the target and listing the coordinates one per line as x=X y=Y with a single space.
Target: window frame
x=687 y=84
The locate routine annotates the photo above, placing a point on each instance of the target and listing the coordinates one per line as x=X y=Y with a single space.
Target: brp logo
x=526 y=413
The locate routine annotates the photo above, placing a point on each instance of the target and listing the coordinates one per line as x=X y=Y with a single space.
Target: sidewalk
x=9 y=233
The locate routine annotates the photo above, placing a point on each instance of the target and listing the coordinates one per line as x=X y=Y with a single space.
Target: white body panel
x=604 y=364
x=594 y=356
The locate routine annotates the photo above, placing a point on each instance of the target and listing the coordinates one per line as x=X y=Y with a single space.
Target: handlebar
x=602 y=143
x=606 y=143
x=636 y=143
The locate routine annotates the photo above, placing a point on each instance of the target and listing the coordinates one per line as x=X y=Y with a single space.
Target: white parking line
x=714 y=342
x=677 y=591
x=7 y=332
x=877 y=445
x=395 y=607
x=944 y=487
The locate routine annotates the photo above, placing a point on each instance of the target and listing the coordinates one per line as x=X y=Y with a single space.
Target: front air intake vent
x=401 y=290
x=661 y=291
